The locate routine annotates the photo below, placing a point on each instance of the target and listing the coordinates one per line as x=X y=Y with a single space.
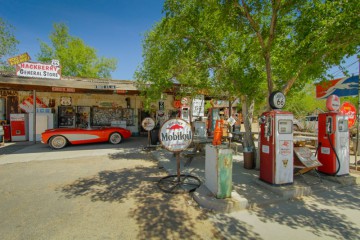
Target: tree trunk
x=247 y=117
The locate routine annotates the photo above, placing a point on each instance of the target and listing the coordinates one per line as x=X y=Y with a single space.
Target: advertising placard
x=176 y=135
x=38 y=70
x=198 y=106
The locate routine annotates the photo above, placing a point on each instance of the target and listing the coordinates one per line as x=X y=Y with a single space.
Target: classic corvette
x=59 y=137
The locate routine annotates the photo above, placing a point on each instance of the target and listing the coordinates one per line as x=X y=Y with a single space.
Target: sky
x=115 y=28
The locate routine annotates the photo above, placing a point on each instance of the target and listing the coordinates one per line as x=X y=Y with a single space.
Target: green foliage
x=8 y=44
x=76 y=58
x=232 y=48
x=304 y=102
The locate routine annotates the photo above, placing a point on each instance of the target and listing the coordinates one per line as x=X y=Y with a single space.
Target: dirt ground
x=104 y=197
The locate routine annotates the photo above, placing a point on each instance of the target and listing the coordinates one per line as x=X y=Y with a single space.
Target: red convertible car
x=58 y=138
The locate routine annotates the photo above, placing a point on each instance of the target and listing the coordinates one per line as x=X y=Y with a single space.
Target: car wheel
x=115 y=138
x=57 y=142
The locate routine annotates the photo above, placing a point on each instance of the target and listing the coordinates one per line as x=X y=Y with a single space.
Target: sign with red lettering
x=349 y=110
x=19 y=59
x=176 y=135
x=38 y=70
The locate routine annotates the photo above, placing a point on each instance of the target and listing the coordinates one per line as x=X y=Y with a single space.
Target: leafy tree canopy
x=250 y=47
x=8 y=43
x=76 y=58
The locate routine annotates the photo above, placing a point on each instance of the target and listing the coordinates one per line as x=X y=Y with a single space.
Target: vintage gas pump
x=333 y=139
x=276 y=143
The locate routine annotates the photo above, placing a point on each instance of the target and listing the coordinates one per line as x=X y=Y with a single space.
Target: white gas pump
x=333 y=139
x=276 y=143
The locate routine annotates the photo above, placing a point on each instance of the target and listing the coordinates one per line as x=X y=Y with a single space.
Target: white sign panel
x=148 y=124
x=176 y=135
x=198 y=106
x=38 y=70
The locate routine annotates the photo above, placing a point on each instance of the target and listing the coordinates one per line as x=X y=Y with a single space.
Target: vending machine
x=66 y=117
x=19 y=123
x=333 y=139
x=44 y=121
x=276 y=143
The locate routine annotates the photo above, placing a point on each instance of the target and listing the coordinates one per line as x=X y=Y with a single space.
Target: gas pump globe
x=333 y=139
x=276 y=143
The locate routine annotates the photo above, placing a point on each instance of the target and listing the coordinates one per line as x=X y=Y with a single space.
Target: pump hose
x=337 y=157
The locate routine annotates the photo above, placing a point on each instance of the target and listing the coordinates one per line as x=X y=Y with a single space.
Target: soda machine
x=333 y=139
x=276 y=143
x=19 y=123
x=44 y=121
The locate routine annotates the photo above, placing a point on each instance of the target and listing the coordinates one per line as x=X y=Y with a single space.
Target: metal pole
x=178 y=165
x=34 y=117
x=358 y=118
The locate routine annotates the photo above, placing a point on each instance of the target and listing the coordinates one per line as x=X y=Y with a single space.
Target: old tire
x=115 y=138
x=58 y=142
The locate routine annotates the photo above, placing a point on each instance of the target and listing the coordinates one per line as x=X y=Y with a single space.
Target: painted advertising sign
x=28 y=104
x=38 y=70
x=347 y=86
x=349 y=110
x=198 y=106
x=148 y=124
x=19 y=59
x=176 y=135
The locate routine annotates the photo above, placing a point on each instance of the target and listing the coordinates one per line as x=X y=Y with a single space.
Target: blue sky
x=114 y=28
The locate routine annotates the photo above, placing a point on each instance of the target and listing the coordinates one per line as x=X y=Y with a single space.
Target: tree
x=247 y=48
x=76 y=58
x=8 y=43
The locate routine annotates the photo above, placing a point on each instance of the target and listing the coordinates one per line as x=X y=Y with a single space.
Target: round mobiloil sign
x=148 y=124
x=333 y=103
x=176 y=135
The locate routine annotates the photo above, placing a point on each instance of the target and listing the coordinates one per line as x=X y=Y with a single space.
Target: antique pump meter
x=333 y=139
x=276 y=143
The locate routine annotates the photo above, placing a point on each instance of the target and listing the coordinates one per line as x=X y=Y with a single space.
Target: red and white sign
x=176 y=135
x=38 y=70
x=333 y=103
x=28 y=104
x=349 y=110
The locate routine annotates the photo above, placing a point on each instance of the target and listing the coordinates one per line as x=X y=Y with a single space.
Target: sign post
x=176 y=135
x=148 y=124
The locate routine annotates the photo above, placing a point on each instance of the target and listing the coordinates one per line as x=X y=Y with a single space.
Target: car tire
x=57 y=142
x=115 y=138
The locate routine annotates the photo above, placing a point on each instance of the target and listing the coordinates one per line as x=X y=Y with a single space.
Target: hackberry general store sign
x=38 y=70
x=176 y=135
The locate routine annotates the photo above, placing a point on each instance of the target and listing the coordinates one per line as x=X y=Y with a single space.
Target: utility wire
x=342 y=68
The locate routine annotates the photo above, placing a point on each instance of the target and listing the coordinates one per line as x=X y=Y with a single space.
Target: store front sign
x=38 y=70
x=62 y=89
x=105 y=87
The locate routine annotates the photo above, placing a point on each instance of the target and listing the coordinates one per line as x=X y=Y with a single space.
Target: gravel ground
x=113 y=196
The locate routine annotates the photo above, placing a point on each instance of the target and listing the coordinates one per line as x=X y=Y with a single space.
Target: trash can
x=154 y=136
x=249 y=162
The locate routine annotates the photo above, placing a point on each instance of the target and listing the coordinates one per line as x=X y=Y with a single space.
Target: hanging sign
x=349 y=110
x=198 y=106
x=176 y=135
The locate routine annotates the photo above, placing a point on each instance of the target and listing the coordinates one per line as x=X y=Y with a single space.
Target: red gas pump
x=276 y=143
x=333 y=139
